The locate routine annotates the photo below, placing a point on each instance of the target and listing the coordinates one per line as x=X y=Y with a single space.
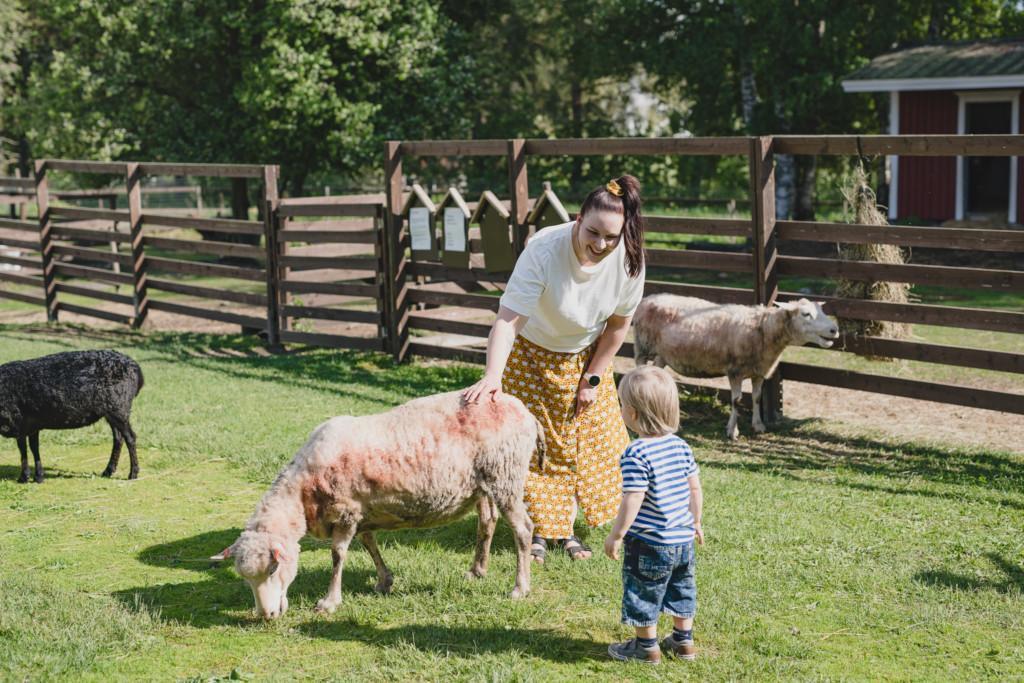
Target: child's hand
x=611 y=547
x=698 y=533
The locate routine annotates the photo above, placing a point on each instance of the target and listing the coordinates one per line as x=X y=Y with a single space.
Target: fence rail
x=339 y=272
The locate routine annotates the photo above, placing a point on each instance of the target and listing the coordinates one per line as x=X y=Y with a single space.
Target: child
x=659 y=517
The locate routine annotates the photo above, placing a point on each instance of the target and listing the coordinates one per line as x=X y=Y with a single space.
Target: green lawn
x=830 y=555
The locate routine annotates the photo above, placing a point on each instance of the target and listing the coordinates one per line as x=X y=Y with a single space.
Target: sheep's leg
x=122 y=425
x=339 y=551
x=514 y=513
x=23 y=448
x=755 y=394
x=736 y=387
x=488 y=519
x=115 y=451
x=384 y=576
x=33 y=443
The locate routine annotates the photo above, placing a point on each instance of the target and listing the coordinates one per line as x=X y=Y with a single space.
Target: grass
x=830 y=554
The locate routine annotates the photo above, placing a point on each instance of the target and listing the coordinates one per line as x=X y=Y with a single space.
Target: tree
x=767 y=68
x=297 y=83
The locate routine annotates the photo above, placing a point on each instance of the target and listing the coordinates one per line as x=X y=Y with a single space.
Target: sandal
x=538 y=549
x=574 y=547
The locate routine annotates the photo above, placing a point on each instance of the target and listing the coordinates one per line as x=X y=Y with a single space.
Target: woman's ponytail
x=622 y=195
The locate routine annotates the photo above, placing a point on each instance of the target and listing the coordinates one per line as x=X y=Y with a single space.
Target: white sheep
x=421 y=464
x=699 y=338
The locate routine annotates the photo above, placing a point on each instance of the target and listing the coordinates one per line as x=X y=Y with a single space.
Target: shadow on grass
x=225 y=599
x=1014 y=582
x=12 y=472
x=345 y=373
x=193 y=552
x=804 y=446
x=462 y=641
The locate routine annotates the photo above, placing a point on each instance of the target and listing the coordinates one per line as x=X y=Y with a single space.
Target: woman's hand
x=585 y=396
x=487 y=387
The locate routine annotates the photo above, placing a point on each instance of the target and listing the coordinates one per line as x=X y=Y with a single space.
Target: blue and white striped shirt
x=660 y=467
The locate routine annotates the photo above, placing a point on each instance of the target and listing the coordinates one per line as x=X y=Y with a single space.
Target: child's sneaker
x=632 y=650
x=681 y=649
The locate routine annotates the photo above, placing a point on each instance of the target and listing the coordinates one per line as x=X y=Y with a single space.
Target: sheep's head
x=809 y=324
x=268 y=565
x=8 y=417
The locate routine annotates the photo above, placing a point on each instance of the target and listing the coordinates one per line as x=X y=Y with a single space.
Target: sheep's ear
x=276 y=554
x=786 y=305
x=223 y=554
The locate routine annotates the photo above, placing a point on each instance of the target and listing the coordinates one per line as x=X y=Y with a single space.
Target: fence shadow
x=341 y=372
x=462 y=641
x=1013 y=583
x=808 y=445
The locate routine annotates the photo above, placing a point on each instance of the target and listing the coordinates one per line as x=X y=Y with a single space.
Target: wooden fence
x=340 y=272
x=328 y=260
x=69 y=264
x=422 y=285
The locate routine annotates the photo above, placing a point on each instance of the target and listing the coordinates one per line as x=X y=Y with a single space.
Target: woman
x=564 y=314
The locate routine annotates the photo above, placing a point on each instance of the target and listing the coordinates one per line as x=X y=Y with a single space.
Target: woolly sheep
x=698 y=338
x=422 y=464
x=66 y=391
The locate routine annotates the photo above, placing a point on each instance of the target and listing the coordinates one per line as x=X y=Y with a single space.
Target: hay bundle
x=859 y=202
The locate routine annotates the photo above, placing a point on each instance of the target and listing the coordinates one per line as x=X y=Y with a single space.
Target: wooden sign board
x=495 y=233
x=420 y=213
x=547 y=211
x=454 y=215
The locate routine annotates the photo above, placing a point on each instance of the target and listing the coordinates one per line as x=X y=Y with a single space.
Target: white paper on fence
x=419 y=228
x=454 y=229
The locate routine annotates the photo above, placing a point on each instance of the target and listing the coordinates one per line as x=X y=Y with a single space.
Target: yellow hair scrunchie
x=614 y=188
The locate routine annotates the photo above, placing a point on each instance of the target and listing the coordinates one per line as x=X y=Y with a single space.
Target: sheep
x=418 y=465
x=698 y=338
x=66 y=391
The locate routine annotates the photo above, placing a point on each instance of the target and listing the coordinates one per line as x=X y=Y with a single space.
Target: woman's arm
x=499 y=345
x=608 y=344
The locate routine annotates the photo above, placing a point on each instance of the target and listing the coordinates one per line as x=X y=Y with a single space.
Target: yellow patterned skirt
x=582 y=460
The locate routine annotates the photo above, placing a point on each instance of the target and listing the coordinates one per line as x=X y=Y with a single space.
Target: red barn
x=972 y=87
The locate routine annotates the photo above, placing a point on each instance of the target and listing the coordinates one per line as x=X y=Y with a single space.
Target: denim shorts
x=655 y=579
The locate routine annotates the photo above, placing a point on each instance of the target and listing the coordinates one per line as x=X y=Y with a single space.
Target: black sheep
x=65 y=391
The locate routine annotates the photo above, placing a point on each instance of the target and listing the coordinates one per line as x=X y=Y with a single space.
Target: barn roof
x=944 y=66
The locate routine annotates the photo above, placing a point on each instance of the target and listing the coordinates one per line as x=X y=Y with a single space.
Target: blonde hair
x=652 y=393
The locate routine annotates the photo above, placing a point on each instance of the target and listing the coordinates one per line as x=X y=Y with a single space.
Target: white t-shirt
x=568 y=304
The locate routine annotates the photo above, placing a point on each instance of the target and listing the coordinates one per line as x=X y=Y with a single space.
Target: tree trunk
x=807 y=174
x=785 y=186
x=24 y=158
x=576 y=90
x=239 y=199
x=748 y=94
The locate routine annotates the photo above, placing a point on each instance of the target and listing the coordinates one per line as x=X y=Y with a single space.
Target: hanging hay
x=859 y=202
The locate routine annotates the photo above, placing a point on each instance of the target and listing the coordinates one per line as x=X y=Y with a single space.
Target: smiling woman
x=562 y=319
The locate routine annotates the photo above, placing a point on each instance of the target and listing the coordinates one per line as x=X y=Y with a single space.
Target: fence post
x=766 y=287
x=45 y=240
x=396 y=287
x=520 y=192
x=140 y=293
x=270 y=228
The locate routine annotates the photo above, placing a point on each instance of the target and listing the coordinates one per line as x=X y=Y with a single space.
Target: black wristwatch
x=592 y=379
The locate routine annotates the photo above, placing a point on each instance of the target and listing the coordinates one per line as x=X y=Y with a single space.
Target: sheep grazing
x=698 y=338
x=421 y=464
x=66 y=391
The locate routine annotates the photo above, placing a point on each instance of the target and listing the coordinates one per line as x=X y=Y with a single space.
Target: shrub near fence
x=317 y=279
